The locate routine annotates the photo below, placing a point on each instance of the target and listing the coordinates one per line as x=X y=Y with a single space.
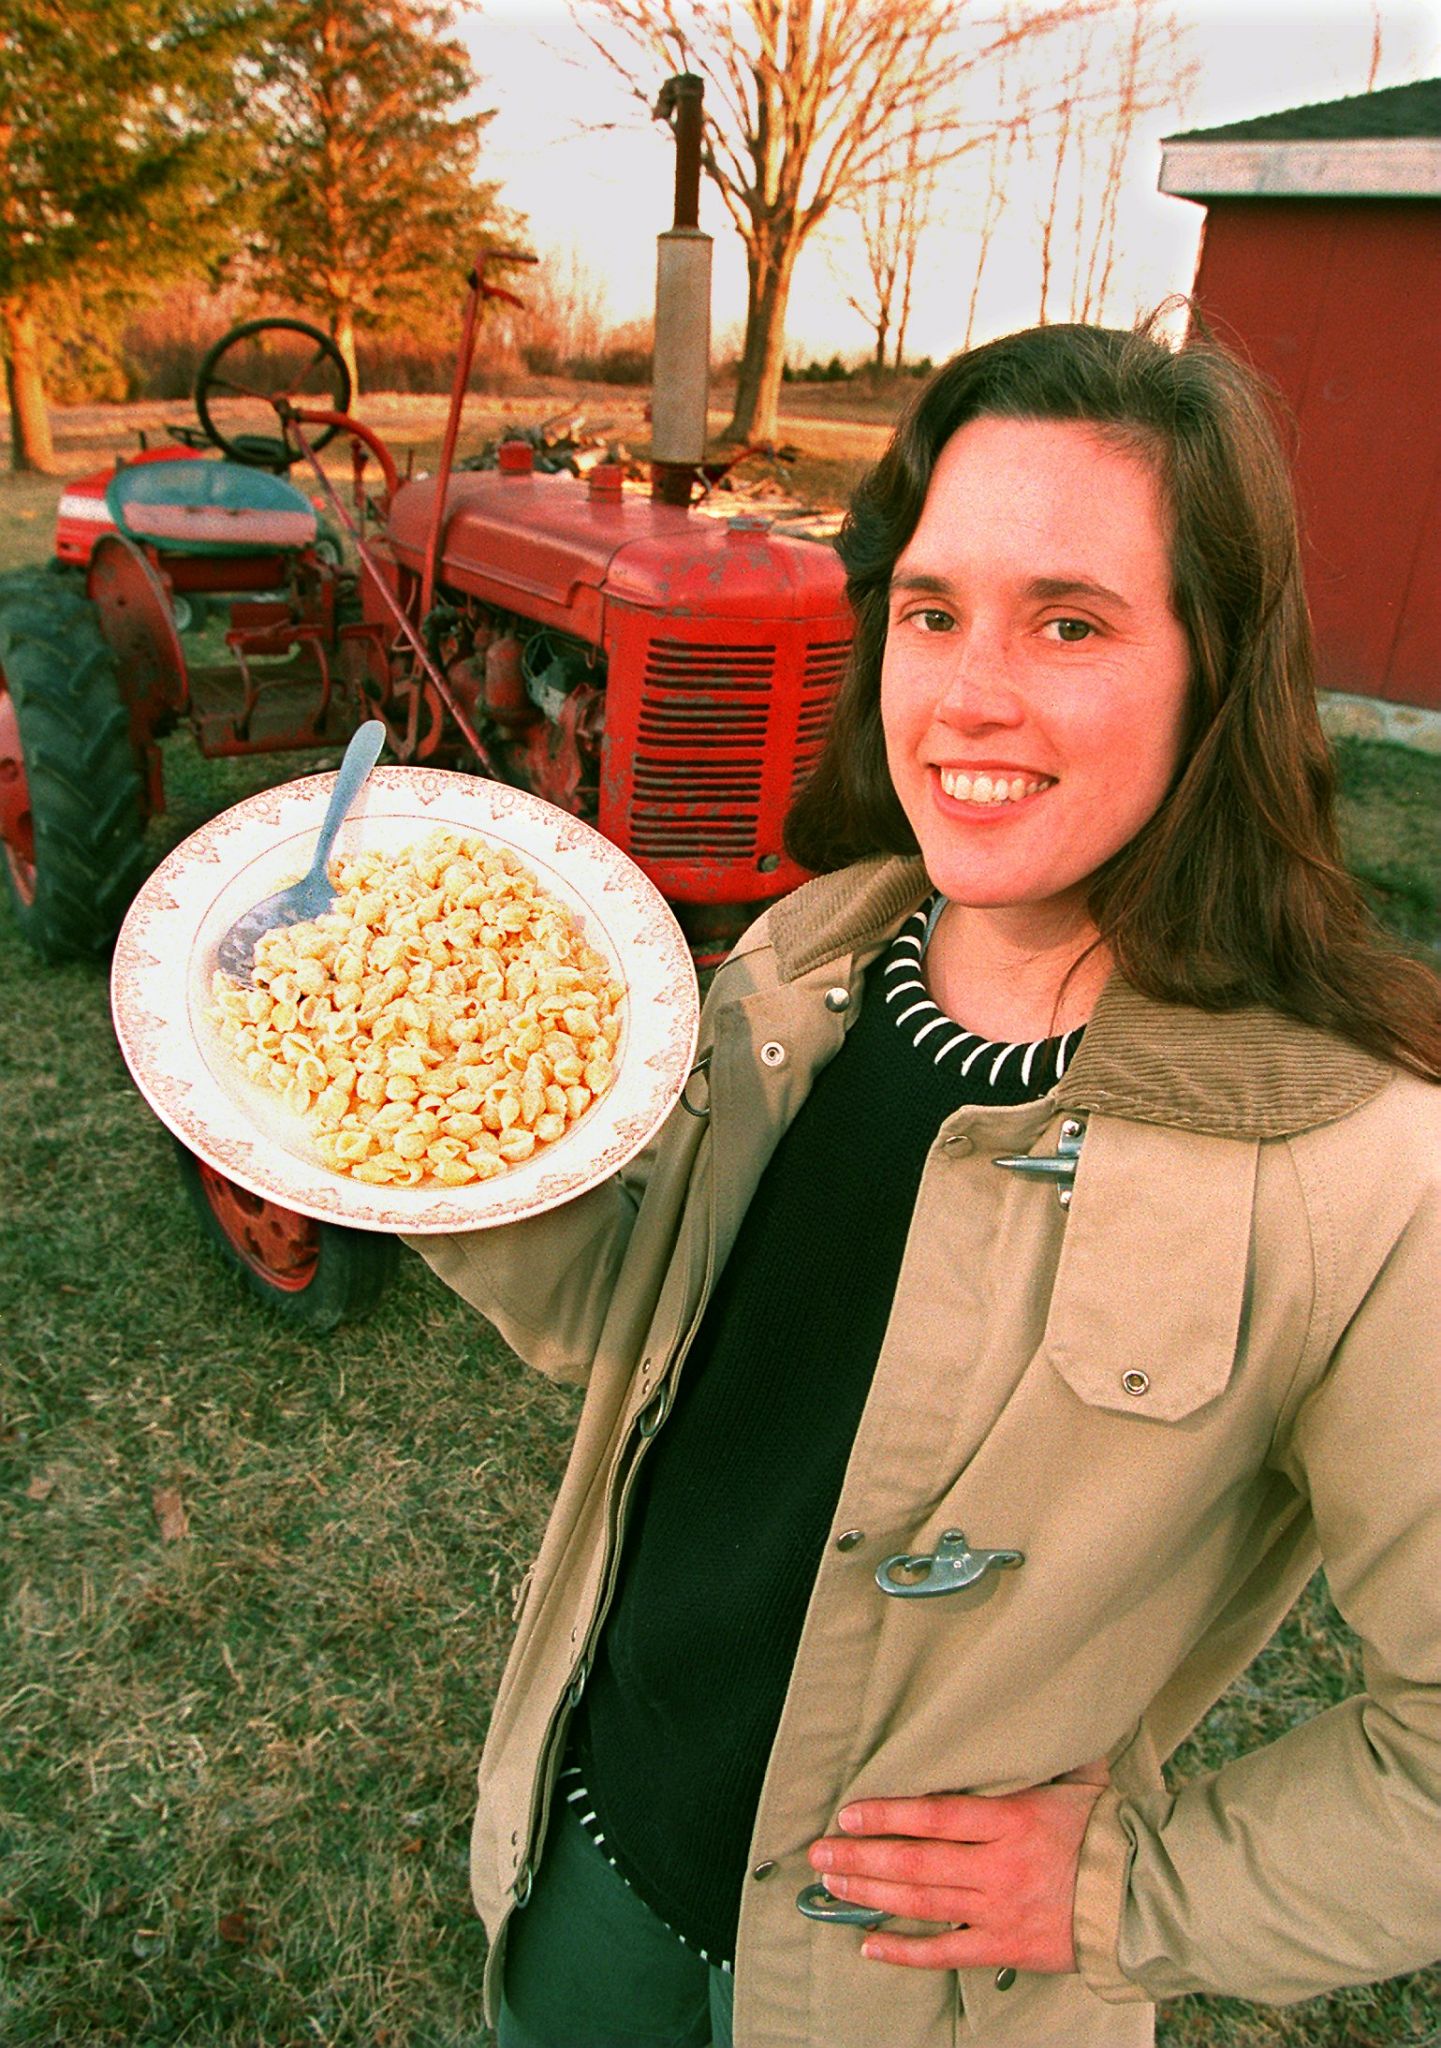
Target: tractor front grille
x=825 y=664
x=701 y=698
x=707 y=761
x=705 y=730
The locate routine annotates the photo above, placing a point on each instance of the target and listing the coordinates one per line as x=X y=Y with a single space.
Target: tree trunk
x=904 y=321
x=342 y=333
x=769 y=263
x=30 y=444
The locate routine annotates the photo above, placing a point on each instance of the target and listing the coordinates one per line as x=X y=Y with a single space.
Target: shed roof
x=1374 y=145
x=1398 y=111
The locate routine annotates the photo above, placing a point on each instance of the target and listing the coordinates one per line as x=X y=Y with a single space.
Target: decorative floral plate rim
x=160 y=983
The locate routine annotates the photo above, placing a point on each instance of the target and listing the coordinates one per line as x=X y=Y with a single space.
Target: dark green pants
x=588 y=1966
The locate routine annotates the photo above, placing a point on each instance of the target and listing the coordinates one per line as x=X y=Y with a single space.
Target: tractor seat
x=209 y=508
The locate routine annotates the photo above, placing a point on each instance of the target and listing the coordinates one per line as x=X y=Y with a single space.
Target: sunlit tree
x=121 y=154
x=372 y=207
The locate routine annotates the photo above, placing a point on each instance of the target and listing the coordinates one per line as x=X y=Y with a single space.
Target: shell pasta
x=440 y=1023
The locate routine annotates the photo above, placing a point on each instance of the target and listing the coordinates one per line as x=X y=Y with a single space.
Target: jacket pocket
x=1149 y=1302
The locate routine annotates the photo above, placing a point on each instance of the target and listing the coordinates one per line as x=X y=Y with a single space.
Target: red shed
x=1321 y=263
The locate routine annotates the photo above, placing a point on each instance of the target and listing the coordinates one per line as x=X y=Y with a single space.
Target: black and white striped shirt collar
x=927 y=1025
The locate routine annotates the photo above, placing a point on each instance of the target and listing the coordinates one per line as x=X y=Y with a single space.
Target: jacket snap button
x=763 y=1869
x=1135 y=1382
x=850 y=1539
x=838 y=998
x=1005 y=1978
x=772 y=1053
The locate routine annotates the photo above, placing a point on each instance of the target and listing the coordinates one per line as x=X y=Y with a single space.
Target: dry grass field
x=255 y=1587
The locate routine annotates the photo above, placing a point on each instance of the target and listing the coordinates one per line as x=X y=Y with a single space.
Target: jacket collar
x=1248 y=1073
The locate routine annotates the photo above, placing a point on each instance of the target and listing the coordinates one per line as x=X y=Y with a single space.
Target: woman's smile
x=992 y=786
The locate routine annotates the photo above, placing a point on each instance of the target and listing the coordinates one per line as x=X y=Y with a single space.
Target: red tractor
x=665 y=674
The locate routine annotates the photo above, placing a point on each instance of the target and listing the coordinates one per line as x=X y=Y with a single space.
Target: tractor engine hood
x=563 y=553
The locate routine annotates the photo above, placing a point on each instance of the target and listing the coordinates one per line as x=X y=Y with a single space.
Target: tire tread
x=85 y=791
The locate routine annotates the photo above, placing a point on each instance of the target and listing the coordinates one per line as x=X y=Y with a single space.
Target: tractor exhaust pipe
x=680 y=384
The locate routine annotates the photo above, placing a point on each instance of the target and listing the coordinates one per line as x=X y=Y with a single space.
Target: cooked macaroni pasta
x=437 y=1025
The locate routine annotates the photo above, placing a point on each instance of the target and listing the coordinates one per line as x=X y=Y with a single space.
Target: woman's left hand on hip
x=999 y=1873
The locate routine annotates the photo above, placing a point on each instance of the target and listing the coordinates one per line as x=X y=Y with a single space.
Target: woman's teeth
x=990 y=789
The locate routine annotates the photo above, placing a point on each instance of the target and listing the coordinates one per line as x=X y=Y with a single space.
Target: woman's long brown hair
x=1235 y=891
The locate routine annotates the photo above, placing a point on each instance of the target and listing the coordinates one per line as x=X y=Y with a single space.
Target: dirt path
x=830 y=420
x=834 y=448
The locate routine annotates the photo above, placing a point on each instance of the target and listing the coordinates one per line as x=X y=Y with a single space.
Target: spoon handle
x=360 y=757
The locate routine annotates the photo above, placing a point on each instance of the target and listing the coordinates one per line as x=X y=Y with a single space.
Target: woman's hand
x=1000 y=1874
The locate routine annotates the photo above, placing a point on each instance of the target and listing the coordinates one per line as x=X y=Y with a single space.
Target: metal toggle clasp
x=701 y=1067
x=949 y=1567
x=1058 y=1167
x=817 y=1904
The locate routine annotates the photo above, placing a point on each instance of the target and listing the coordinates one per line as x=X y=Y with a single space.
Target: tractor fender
x=136 y=618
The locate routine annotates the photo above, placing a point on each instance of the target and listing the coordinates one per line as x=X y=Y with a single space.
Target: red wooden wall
x=1338 y=302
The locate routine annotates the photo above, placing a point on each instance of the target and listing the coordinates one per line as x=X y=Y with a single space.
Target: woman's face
x=1034 y=683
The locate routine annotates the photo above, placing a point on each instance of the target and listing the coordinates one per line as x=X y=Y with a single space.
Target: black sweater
x=734 y=1502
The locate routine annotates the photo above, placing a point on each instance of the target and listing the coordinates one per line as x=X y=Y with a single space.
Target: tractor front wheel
x=71 y=818
x=315 y=1275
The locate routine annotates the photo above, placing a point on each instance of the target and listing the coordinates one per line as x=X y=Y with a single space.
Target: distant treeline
x=837 y=372
x=156 y=352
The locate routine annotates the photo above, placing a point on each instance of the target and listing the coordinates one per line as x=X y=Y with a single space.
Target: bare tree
x=1118 y=64
x=565 y=317
x=920 y=202
x=892 y=215
x=1151 y=72
x=1067 y=121
x=805 y=102
x=1000 y=150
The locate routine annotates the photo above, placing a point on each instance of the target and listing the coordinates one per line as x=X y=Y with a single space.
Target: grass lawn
x=237 y=1758
x=237 y=1764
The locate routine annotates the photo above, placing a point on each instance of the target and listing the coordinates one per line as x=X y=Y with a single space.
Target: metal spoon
x=312 y=894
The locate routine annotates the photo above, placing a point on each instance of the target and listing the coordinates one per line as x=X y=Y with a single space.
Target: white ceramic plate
x=165 y=956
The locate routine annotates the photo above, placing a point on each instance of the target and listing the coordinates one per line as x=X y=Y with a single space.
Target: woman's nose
x=979 y=689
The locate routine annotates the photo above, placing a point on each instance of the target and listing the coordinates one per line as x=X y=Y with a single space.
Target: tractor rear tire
x=313 y=1275
x=71 y=813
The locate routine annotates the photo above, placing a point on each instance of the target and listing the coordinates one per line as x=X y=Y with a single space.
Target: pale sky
x=574 y=153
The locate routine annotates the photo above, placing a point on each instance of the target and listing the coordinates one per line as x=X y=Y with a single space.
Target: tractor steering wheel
x=257 y=367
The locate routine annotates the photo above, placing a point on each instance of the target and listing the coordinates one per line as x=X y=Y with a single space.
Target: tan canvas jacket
x=1219 y=1363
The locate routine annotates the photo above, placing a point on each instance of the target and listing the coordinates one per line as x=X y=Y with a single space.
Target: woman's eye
x=932 y=621
x=1072 y=630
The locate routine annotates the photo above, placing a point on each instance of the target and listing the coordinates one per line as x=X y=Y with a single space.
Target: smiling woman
x=1024 y=1297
